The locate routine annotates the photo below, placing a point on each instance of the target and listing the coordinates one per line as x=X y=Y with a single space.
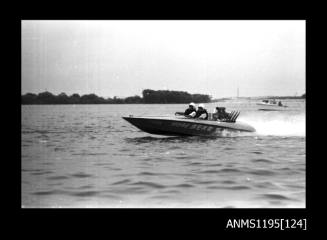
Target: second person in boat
x=201 y=113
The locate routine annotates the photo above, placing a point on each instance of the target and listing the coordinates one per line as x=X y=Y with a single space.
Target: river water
x=88 y=156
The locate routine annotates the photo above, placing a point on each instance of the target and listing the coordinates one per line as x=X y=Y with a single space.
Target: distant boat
x=271 y=105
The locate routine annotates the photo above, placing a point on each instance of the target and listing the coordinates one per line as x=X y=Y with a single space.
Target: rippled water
x=88 y=156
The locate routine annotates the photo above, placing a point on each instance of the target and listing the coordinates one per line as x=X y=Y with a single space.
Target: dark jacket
x=199 y=112
x=189 y=111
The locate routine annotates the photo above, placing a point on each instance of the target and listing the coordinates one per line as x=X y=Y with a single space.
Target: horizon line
x=213 y=98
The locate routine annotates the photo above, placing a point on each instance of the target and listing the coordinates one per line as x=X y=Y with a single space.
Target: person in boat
x=201 y=113
x=215 y=113
x=191 y=110
x=280 y=103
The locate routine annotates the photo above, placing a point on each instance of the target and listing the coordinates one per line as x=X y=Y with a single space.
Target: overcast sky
x=121 y=58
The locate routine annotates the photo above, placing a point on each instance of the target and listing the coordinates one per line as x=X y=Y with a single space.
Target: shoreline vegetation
x=260 y=98
x=148 y=97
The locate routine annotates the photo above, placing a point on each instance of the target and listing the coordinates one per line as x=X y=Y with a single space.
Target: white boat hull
x=271 y=107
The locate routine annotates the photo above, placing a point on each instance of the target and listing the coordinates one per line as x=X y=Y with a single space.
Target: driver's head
x=192 y=105
x=201 y=106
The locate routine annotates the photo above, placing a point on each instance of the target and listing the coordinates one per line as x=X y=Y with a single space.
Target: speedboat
x=184 y=126
x=271 y=105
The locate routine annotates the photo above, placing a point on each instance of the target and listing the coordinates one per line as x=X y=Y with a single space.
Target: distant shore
x=148 y=97
x=260 y=98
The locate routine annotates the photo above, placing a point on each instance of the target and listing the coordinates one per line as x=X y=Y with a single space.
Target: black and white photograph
x=163 y=114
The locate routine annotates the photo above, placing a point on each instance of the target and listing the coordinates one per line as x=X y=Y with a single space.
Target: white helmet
x=192 y=104
x=201 y=105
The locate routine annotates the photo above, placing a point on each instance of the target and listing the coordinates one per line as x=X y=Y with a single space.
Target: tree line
x=166 y=96
x=148 y=96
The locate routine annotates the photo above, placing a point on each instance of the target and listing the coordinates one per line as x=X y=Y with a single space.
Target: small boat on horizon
x=271 y=105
